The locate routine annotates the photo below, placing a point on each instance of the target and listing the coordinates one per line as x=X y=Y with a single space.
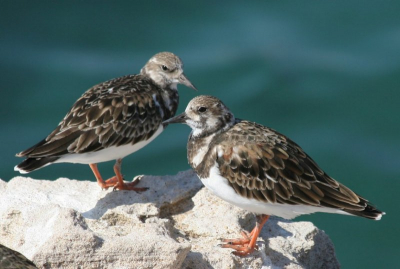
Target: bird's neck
x=155 y=76
x=217 y=127
x=169 y=92
x=170 y=97
x=197 y=148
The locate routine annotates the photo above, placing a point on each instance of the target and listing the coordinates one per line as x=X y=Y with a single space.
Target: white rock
x=175 y=224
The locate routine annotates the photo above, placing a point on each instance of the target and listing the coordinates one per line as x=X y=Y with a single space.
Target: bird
x=11 y=259
x=260 y=170
x=112 y=120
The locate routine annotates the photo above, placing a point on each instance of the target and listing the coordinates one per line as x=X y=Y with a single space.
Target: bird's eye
x=165 y=68
x=202 y=109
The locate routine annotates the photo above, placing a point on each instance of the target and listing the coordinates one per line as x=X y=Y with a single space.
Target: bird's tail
x=369 y=212
x=31 y=164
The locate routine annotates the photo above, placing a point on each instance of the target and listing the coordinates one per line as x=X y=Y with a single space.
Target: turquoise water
x=324 y=73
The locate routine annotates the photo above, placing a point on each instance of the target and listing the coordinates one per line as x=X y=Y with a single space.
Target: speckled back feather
x=11 y=259
x=114 y=113
x=265 y=165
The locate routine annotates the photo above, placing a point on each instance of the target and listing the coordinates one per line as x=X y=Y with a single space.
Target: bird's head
x=205 y=115
x=166 y=70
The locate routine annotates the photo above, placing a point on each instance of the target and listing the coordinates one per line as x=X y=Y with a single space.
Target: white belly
x=219 y=186
x=107 y=154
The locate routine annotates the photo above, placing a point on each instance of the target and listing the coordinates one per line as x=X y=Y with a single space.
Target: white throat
x=198 y=158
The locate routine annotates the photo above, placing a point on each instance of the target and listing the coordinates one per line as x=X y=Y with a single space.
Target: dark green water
x=324 y=73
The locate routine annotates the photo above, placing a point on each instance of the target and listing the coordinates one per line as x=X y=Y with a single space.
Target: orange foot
x=246 y=245
x=129 y=186
x=117 y=181
x=242 y=246
x=108 y=183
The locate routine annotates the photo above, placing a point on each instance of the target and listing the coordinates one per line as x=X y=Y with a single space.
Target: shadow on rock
x=196 y=260
x=163 y=194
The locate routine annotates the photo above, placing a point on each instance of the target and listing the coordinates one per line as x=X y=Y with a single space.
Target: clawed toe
x=246 y=238
x=247 y=244
x=129 y=186
x=240 y=245
x=117 y=181
x=116 y=184
x=240 y=250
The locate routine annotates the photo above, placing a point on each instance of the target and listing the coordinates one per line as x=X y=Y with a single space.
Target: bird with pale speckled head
x=112 y=120
x=258 y=169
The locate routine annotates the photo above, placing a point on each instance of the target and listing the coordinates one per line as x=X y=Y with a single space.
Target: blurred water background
x=325 y=73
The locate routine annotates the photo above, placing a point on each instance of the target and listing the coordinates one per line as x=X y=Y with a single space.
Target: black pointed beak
x=185 y=81
x=181 y=118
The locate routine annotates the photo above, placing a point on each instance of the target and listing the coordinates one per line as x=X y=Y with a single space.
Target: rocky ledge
x=175 y=224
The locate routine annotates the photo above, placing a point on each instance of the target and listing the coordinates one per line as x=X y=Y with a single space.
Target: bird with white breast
x=258 y=169
x=112 y=120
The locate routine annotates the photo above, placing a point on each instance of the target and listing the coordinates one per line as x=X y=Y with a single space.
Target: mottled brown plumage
x=121 y=111
x=113 y=119
x=265 y=165
x=261 y=170
x=11 y=259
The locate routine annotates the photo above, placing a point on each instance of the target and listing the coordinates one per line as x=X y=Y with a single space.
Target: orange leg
x=121 y=185
x=96 y=173
x=246 y=245
x=116 y=181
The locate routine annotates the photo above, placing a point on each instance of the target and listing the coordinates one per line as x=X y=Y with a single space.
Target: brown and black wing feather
x=121 y=111
x=11 y=259
x=267 y=166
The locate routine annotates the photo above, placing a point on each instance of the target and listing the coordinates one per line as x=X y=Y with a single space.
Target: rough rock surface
x=175 y=224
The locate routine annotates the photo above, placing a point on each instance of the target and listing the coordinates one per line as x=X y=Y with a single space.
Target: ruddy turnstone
x=11 y=259
x=112 y=120
x=260 y=170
